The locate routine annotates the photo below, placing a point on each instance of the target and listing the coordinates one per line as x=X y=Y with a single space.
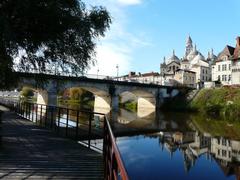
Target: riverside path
x=30 y=152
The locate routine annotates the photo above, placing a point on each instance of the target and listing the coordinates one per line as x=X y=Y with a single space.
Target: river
x=181 y=146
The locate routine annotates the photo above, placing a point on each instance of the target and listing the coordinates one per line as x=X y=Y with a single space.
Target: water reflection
x=191 y=152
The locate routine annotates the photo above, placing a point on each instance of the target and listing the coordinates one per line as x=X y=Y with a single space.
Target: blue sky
x=144 y=31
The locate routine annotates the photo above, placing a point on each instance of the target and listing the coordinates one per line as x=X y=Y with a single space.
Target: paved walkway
x=30 y=152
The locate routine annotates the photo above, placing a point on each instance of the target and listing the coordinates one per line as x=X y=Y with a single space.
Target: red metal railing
x=113 y=164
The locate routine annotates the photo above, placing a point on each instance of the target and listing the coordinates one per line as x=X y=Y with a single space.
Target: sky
x=144 y=31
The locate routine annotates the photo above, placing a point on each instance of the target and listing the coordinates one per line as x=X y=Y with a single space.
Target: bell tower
x=189 y=46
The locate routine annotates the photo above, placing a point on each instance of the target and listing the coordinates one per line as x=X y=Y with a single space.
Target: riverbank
x=220 y=103
x=223 y=102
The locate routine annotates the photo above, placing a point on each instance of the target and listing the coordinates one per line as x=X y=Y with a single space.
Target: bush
x=27 y=92
x=130 y=105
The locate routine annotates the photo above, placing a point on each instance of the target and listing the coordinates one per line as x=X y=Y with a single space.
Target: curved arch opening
x=79 y=97
x=140 y=102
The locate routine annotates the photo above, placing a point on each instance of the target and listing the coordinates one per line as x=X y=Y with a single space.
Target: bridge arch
x=102 y=99
x=146 y=100
x=42 y=95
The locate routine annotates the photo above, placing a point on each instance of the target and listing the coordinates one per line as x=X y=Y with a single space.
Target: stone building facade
x=192 y=61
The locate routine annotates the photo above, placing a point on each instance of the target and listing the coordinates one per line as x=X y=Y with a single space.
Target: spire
x=173 y=52
x=189 y=46
x=164 y=60
x=189 y=40
x=212 y=51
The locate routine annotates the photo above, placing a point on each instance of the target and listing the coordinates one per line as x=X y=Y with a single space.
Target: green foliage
x=216 y=126
x=223 y=102
x=75 y=93
x=76 y=98
x=49 y=32
x=129 y=105
x=27 y=92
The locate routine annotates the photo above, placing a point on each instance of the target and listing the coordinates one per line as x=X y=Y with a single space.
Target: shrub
x=27 y=92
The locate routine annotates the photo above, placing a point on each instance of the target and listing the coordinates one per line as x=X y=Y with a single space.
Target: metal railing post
x=41 y=116
x=59 y=114
x=76 y=136
x=29 y=110
x=89 y=130
x=46 y=115
x=32 y=112
x=25 y=110
x=51 y=118
x=67 y=122
x=36 y=113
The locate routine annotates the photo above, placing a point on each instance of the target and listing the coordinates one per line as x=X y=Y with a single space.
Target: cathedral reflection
x=226 y=152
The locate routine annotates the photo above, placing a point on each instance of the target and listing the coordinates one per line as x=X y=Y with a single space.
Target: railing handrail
x=121 y=167
x=80 y=110
x=117 y=169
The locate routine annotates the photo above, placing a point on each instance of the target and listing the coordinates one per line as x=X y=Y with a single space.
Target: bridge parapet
x=106 y=91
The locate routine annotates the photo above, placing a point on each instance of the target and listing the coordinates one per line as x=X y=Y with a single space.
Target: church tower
x=189 y=46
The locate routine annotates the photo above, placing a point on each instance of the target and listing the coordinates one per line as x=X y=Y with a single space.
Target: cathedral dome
x=173 y=58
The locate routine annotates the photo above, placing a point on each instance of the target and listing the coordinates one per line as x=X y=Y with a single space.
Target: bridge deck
x=30 y=152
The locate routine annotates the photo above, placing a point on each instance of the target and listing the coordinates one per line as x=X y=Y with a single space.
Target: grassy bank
x=223 y=102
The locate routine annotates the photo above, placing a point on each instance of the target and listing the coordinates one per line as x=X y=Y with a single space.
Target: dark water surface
x=184 y=147
x=177 y=145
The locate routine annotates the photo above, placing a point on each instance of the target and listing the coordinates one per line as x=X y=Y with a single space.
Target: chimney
x=238 y=41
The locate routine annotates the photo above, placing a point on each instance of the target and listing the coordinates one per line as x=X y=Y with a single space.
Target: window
x=203 y=71
x=229 y=77
x=219 y=152
x=224 y=67
x=219 y=77
x=222 y=77
x=229 y=67
x=224 y=153
x=224 y=142
x=219 y=68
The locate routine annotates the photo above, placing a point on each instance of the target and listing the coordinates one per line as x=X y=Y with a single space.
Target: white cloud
x=130 y=2
x=119 y=44
x=108 y=56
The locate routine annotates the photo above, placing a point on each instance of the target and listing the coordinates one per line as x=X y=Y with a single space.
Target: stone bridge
x=106 y=92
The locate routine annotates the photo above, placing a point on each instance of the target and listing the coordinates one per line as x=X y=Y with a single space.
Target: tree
x=27 y=92
x=42 y=33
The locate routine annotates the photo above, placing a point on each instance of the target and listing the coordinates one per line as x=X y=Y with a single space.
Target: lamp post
x=97 y=72
x=117 y=67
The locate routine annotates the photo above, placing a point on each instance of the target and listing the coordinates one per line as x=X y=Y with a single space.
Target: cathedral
x=191 y=70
